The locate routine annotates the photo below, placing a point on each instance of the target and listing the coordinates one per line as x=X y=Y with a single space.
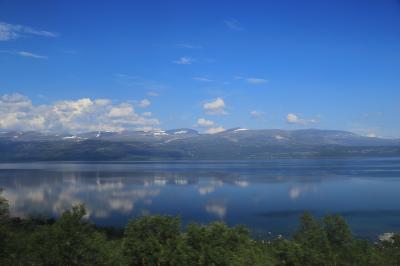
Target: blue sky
x=210 y=65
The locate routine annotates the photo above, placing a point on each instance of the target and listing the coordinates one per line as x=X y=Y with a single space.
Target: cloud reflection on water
x=129 y=190
x=268 y=194
x=217 y=208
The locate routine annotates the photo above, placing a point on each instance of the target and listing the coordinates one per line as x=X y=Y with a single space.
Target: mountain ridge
x=184 y=143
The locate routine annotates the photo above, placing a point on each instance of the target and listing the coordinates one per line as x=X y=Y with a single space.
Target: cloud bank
x=17 y=112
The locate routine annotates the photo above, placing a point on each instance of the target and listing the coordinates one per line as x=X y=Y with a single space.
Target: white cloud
x=184 y=61
x=24 y=54
x=256 y=114
x=6 y=32
x=233 y=24
x=17 y=112
x=144 y=103
x=215 y=130
x=204 y=122
x=202 y=79
x=216 y=107
x=29 y=54
x=12 y=31
x=256 y=81
x=294 y=119
x=122 y=110
x=102 y=102
x=147 y=114
x=371 y=132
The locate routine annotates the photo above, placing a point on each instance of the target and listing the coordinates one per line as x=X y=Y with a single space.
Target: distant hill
x=187 y=144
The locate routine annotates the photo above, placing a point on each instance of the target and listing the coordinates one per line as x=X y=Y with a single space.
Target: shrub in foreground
x=161 y=240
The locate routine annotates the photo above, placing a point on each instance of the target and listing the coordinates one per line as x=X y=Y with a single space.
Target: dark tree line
x=160 y=240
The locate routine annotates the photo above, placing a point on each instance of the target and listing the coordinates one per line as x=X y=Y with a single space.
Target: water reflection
x=217 y=208
x=101 y=196
x=267 y=196
x=296 y=191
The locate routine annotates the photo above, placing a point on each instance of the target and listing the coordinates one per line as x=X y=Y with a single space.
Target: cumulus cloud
x=12 y=31
x=102 y=102
x=215 y=130
x=204 y=122
x=17 y=112
x=256 y=81
x=233 y=24
x=294 y=119
x=216 y=107
x=144 y=103
x=184 y=61
x=122 y=110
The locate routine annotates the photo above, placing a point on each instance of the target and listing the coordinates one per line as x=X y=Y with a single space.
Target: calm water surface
x=267 y=196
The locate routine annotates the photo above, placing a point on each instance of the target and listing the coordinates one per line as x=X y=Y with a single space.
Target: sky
x=75 y=66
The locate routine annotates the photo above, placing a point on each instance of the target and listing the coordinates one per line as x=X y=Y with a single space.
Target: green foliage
x=160 y=240
x=4 y=213
x=154 y=241
x=4 y=220
x=391 y=250
x=287 y=252
x=314 y=241
x=217 y=244
x=71 y=241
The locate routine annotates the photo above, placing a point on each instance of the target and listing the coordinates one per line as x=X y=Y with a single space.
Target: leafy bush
x=160 y=240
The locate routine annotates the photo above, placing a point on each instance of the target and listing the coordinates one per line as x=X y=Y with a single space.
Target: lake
x=267 y=196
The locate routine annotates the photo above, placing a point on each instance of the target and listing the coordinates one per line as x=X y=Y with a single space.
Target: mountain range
x=189 y=144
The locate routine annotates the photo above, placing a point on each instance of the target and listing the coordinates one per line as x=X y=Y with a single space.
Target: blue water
x=267 y=196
